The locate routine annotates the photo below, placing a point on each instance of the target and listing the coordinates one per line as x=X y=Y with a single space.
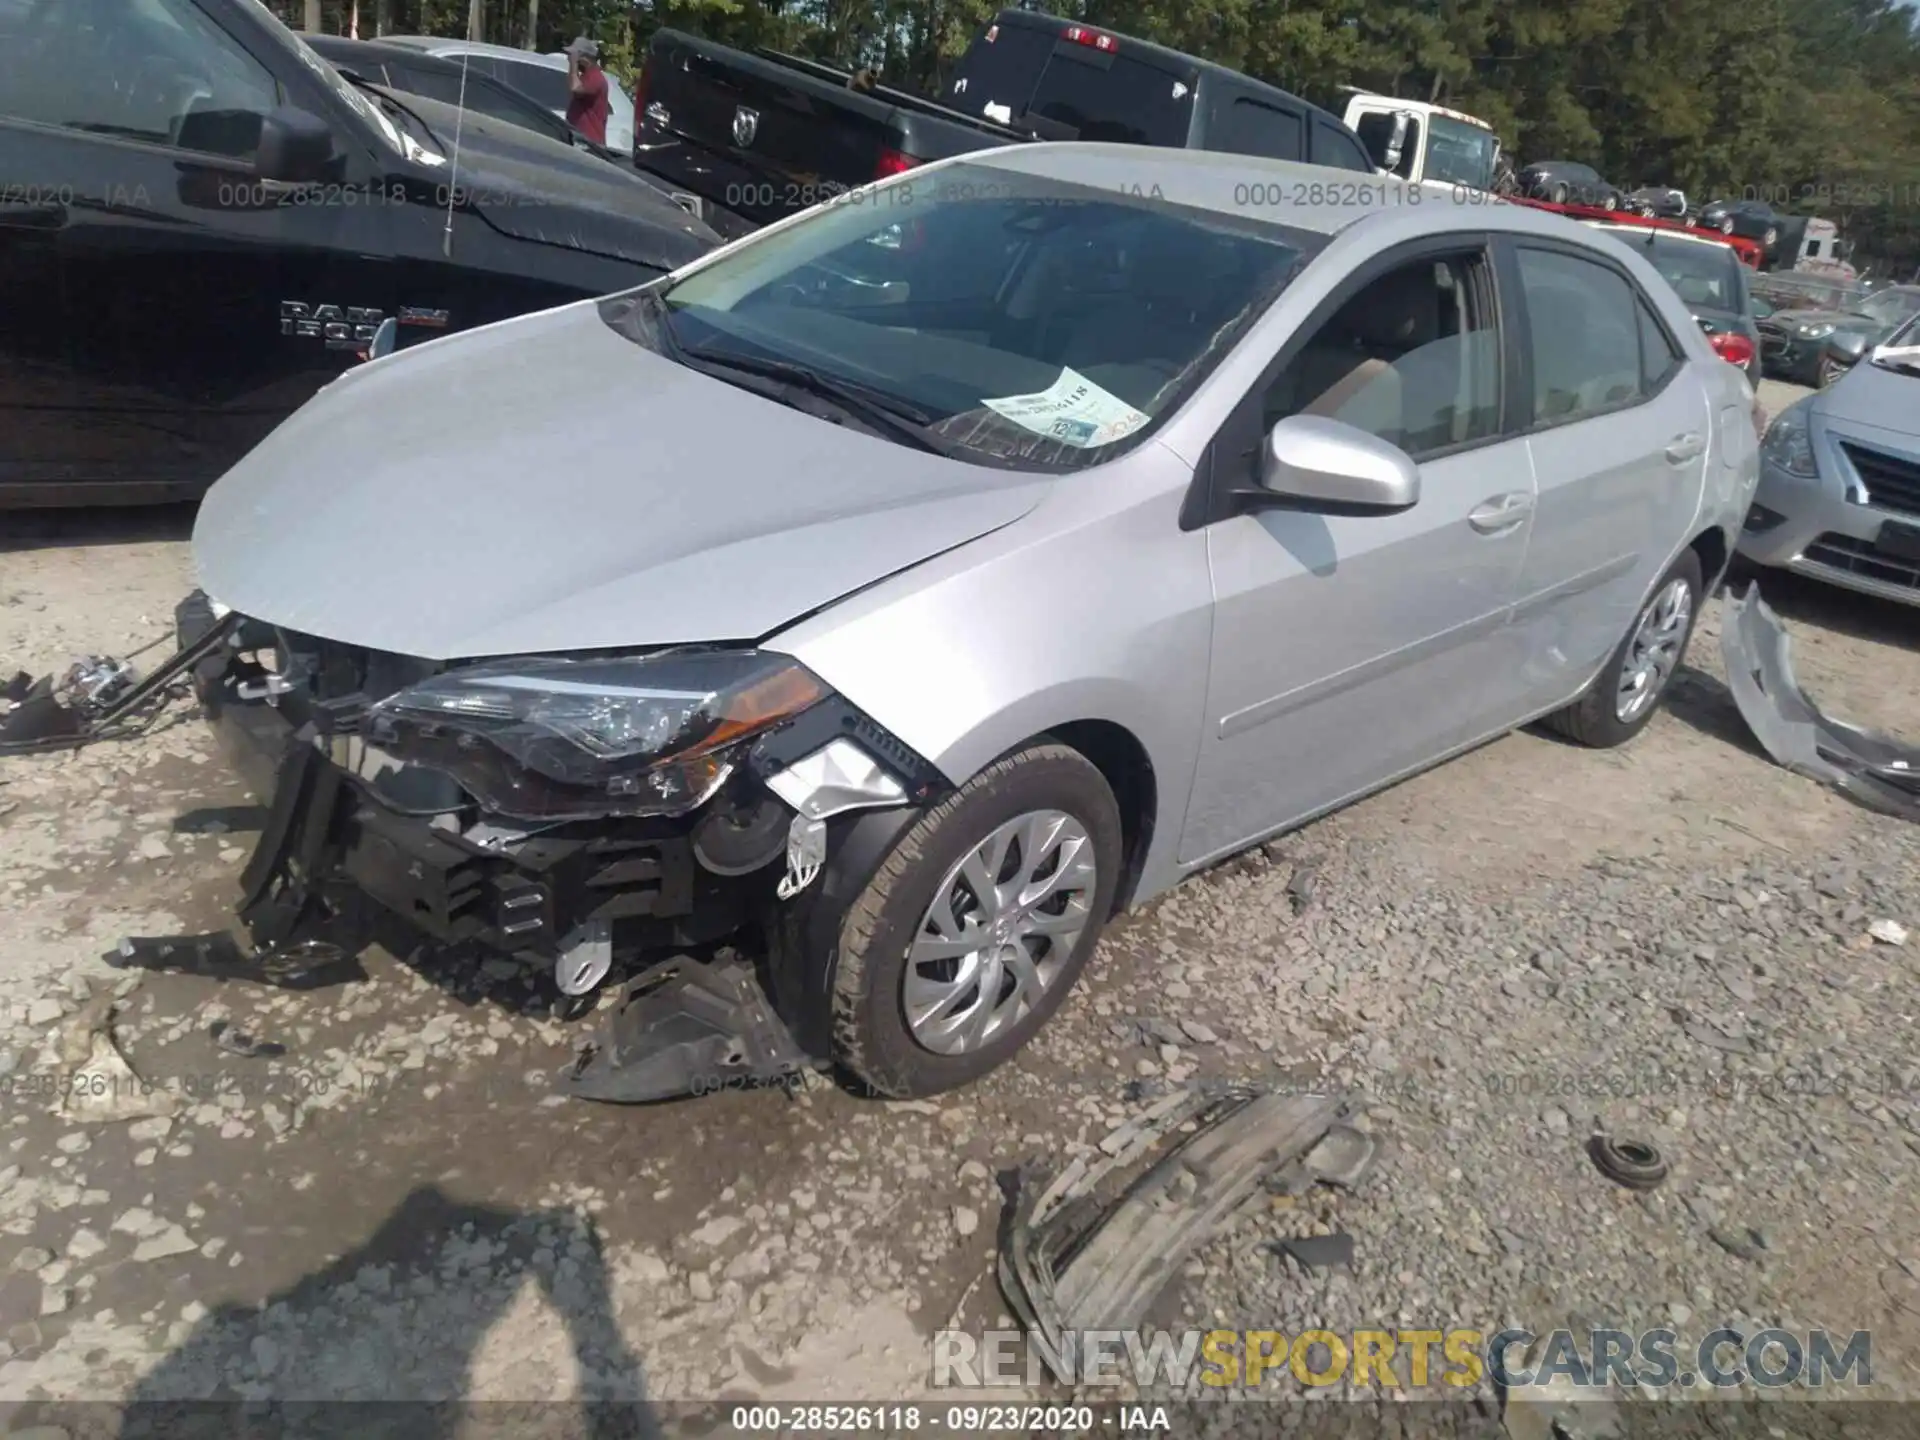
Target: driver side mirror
x=1312 y=463
x=295 y=147
x=1762 y=310
x=1397 y=140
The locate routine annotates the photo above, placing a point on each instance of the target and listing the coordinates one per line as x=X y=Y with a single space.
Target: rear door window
x=1097 y=94
x=1248 y=127
x=538 y=82
x=1332 y=145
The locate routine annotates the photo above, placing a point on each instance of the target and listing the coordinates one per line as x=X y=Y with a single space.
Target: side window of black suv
x=156 y=71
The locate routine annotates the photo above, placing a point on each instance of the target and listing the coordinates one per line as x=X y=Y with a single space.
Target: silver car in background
x=1839 y=495
x=990 y=550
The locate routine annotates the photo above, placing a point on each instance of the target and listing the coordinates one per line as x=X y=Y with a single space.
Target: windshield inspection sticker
x=1072 y=410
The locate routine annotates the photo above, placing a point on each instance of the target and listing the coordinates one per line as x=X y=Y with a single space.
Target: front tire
x=1829 y=372
x=975 y=927
x=1631 y=685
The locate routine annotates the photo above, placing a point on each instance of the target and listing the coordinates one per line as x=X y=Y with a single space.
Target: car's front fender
x=1096 y=607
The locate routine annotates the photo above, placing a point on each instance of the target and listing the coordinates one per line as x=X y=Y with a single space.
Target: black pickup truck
x=761 y=135
x=202 y=222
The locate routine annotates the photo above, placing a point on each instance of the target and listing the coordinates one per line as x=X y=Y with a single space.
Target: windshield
x=1460 y=154
x=1890 y=307
x=350 y=95
x=1023 y=320
x=1906 y=339
x=1087 y=93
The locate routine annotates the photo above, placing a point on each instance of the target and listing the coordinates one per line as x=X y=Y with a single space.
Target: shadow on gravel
x=104 y=525
x=1703 y=702
x=1798 y=600
x=382 y=1341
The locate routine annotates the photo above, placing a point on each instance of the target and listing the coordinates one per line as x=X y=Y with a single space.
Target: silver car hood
x=1870 y=396
x=544 y=484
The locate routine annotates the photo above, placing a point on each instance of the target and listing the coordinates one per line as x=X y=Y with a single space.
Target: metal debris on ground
x=1119 y=1253
x=310 y=965
x=1872 y=768
x=239 y=1042
x=1636 y=1164
x=1888 y=932
x=99 y=698
x=683 y=1027
x=100 y=1087
x=1319 y=1252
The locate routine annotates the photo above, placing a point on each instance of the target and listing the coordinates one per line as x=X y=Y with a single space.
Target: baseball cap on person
x=583 y=47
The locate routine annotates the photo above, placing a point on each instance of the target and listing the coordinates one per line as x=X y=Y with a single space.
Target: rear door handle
x=1501 y=513
x=1683 y=448
x=50 y=216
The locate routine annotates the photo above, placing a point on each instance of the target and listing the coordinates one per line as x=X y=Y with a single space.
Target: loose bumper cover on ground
x=355 y=845
x=1875 y=769
x=1076 y=1259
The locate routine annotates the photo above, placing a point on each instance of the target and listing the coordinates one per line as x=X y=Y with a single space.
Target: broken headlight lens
x=557 y=739
x=1788 y=443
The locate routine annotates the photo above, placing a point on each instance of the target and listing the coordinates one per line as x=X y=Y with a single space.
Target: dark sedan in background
x=1817 y=347
x=1749 y=219
x=1661 y=201
x=1567 y=182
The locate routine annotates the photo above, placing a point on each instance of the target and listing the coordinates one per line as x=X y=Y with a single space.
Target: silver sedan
x=1839 y=495
x=988 y=551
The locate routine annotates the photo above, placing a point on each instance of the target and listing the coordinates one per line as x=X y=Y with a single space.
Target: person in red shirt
x=587 y=107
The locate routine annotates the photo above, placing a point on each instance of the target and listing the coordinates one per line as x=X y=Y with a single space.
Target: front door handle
x=51 y=216
x=1683 y=448
x=1501 y=513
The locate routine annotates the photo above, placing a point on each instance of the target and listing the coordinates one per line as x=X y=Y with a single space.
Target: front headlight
x=554 y=739
x=1788 y=443
x=1818 y=331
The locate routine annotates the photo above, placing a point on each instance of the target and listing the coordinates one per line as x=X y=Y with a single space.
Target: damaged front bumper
x=1874 y=769
x=356 y=843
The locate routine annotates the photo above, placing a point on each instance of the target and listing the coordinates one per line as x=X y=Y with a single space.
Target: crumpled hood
x=544 y=484
x=535 y=188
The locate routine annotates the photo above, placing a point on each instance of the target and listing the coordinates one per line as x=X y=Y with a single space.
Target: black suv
x=202 y=222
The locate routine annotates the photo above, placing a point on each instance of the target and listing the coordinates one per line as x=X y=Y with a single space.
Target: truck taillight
x=1732 y=347
x=893 y=162
x=1081 y=35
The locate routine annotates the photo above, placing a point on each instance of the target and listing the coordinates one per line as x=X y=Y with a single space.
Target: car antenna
x=453 y=172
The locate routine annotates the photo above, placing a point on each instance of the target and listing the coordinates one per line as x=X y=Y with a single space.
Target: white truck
x=1420 y=141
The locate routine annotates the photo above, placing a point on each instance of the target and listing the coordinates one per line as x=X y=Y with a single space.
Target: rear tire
x=1048 y=791
x=1726 y=225
x=1560 y=194
x=1614 y=710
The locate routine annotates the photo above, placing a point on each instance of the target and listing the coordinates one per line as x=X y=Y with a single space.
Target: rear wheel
x=1726 y=225
x=1560 y=193
x=1630 y=686
x=976 y=926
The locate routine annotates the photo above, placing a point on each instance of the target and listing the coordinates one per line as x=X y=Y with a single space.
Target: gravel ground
x=1504 y=955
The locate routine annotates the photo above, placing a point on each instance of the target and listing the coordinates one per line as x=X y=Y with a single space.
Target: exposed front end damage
x=1874 y=769
x=603 y=818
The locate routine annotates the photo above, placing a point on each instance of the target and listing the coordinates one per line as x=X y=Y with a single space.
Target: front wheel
x=974 y=929
x=1630 y=686
x=1726 y=225
x=1830 y=371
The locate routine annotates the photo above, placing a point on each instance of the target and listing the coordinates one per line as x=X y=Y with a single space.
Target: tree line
x=1813 y=105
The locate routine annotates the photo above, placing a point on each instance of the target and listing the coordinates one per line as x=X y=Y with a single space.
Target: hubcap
x=1654 y=652
x=999 y=931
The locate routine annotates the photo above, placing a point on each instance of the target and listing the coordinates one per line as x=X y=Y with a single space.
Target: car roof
x=1655 y=232
x=443 y=44
x=1313 y=198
